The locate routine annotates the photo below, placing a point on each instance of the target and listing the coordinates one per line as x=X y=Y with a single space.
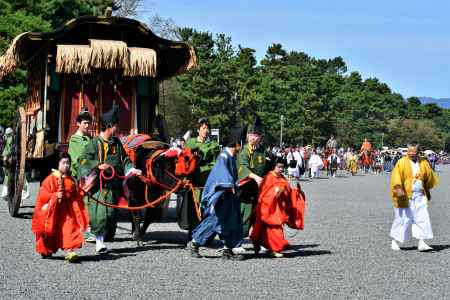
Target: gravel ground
x=343 y=253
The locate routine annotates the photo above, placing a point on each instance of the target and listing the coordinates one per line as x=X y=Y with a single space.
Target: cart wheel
x=17 y=171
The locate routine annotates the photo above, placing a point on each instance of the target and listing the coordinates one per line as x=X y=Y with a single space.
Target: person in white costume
x=292 y=164
x=315 y=164
x=300 y=163
x=411 y=182
x=294 y=161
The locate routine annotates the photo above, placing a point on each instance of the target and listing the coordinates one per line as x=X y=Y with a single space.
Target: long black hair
x=62 y=155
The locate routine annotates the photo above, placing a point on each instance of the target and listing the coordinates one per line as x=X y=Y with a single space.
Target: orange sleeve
x=47 y=192
x=270 y=208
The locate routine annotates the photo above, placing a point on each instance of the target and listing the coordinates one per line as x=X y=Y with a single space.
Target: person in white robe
x=315 y=164
x=292 y=164
x=411 y=182
x=300 y=163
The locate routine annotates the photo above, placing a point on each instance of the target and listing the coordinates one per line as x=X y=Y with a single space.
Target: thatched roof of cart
x=172 y=57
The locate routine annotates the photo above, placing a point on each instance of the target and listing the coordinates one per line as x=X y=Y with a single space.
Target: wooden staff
x=60 y=186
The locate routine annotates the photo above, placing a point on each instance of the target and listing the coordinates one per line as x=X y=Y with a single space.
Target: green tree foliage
x=423 y=131
x=176 y=108
x=56 y=12
x=317 y=97
x=413 y=108
x=211 y=88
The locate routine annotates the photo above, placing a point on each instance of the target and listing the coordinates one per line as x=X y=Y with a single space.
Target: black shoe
x=257 y=249
x=228 y=254
x=46 y=256
x=194 y=250
x=238 y=257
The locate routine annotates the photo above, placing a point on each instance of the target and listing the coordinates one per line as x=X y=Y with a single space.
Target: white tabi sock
x=395 y=246
x=4 y=191
x=99 y=242
x=422 y=246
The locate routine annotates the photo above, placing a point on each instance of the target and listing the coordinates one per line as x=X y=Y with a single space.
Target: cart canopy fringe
x=106 y=54
x=12 y=58
x=83 y=54
x=142 y=62
x=100 y=54
x=73 y=59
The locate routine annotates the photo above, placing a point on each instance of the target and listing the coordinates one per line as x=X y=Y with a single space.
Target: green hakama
x=249 y=161
x=103 y=220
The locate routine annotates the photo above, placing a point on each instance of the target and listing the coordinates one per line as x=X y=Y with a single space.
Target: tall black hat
x=111 y=117
x=256 y=127
x=236 y=136
x=160 y=128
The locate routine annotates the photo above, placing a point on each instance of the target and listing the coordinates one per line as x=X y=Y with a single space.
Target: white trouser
x=417 y=216
x=293 y=172
x=4 y=191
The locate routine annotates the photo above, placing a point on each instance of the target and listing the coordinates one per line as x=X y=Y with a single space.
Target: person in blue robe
x=222 y=213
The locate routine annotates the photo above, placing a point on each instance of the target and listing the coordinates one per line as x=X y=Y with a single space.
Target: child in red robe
x=278 y=204
x=60 y=217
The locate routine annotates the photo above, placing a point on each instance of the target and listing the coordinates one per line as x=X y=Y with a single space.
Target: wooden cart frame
x=87 y=63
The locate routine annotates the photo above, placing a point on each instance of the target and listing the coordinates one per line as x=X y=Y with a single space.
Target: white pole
x=44 y=112
x=281 y=131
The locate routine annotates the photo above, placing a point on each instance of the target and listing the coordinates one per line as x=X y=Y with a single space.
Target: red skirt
x=269 y=236
x=67 y=233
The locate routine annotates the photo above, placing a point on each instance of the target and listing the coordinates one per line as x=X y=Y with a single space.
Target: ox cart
x=90 y=62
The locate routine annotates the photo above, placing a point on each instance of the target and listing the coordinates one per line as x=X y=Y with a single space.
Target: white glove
x=135 y=172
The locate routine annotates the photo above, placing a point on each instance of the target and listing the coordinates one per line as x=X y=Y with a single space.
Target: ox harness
x=184 y=164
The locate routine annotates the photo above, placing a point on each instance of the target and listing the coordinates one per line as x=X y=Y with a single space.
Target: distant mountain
x=442 y=102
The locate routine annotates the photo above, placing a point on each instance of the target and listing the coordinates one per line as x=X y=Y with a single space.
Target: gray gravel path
x=344 y=253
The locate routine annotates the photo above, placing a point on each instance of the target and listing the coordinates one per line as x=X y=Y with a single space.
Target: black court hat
x=236 y=136
x=111 y=117
x=256 y=127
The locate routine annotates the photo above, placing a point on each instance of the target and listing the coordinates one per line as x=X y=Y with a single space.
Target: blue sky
x=405 y=43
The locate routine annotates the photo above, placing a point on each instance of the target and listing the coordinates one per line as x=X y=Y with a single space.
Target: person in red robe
x=366 y=145
x=60 y=217
x=365 y=154
x=278 y=204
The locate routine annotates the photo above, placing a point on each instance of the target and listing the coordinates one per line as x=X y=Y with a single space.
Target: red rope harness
x=148 y=180
x=152 y=204
x=180 y=183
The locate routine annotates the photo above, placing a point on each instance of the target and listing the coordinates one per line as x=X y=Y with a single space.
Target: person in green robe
x=7 y=161
x=6 y=158
x=207 y=150
x=79 y=139
x=102 y=153
x=77 y=143
x=251 y=169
